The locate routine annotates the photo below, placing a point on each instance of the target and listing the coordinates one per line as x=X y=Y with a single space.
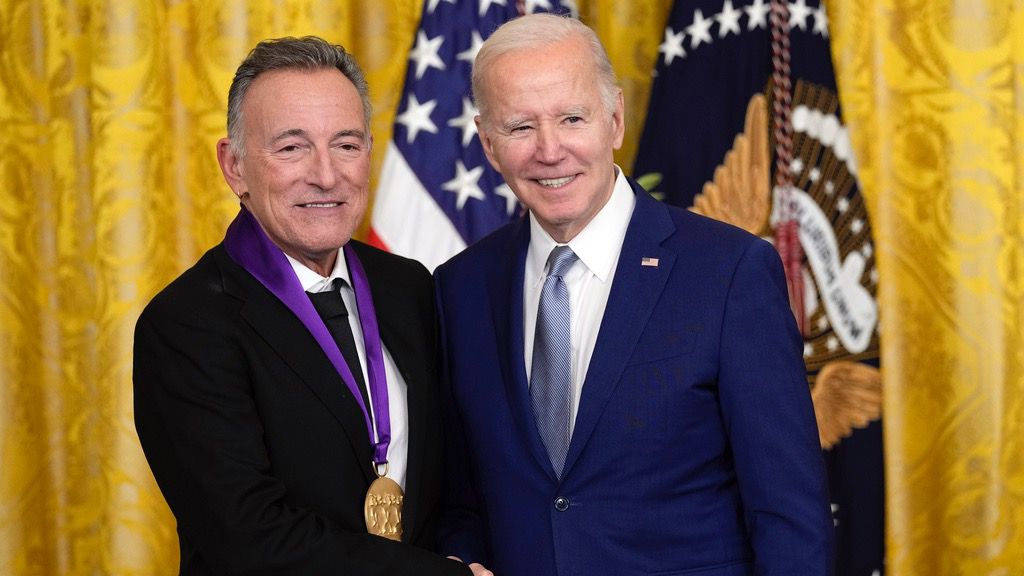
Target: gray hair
x=537 y=31
x=308 y=53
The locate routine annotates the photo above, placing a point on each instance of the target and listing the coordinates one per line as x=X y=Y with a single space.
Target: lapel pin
x=648 y=261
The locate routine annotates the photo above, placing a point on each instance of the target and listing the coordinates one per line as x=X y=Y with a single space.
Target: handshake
x=477 y=568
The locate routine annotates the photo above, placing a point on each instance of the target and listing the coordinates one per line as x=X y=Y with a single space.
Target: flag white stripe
x=407 y=219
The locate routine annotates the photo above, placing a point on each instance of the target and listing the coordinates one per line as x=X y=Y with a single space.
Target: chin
x=328 y=248
x=321 y=247
x=328 y=237
x=561 y=217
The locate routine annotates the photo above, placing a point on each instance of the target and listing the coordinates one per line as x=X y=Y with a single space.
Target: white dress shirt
x=589 y=281
x=398 y=402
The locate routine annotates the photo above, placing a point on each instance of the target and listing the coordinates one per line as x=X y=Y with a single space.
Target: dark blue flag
x=709 y=143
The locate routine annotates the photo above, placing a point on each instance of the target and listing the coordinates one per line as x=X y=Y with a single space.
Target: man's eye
x=289 y=148
x=573 y=119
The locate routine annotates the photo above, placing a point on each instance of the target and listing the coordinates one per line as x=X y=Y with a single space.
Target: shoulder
x=714 y=233
x=491 y=250
x=212 y=287
x=400 y=284
x=388 y=267
x=724 y=253
x=684 y=231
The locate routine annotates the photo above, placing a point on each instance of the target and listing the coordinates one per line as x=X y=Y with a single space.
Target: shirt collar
x=598 y=244
x=313 y=282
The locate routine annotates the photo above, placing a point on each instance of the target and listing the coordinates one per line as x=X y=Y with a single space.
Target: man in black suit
x=285 y=384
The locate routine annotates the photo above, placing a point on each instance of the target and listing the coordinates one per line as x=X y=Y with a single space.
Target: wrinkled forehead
x=290 y=99
x=560 y=81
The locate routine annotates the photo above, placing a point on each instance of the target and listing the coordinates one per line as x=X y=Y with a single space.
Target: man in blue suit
x=625 y=385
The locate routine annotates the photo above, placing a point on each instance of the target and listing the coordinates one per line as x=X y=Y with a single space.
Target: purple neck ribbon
x=248 y=245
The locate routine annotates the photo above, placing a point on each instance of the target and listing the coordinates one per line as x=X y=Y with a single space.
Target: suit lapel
x=285 y=334
x=636 y=289
x=506 y=284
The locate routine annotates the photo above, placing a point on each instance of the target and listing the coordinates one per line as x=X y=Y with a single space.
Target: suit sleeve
x=770 y=422
x=460 y=528
x=201 y=431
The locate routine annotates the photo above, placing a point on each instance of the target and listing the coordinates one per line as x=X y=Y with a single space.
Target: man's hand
x=477 y=568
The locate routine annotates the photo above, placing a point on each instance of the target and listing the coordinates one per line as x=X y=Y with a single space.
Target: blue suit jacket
x=695 y=449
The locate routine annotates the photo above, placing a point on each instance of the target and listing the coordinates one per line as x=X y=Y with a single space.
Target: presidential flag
x=744 y=125
x=437 y=192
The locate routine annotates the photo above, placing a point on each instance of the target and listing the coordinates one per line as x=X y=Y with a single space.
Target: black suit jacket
x=258 y=446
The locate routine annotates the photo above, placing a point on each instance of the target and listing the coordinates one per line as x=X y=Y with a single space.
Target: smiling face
x=304 y=171
x=550 y=134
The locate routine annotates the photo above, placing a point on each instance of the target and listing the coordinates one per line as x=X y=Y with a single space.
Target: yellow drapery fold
x=109 y=112
x=933 y=91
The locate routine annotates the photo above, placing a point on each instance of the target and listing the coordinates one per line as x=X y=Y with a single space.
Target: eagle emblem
x=840 y=279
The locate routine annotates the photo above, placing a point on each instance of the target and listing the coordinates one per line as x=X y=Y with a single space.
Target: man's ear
x=618 y=121
x=231 y=167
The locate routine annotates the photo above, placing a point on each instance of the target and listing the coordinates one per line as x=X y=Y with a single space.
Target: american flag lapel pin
x=648 y=261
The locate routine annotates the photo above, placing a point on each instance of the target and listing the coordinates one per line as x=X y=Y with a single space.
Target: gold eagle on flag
x=847 y=394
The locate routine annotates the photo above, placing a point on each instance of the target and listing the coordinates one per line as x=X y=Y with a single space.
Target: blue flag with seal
x=744 y=125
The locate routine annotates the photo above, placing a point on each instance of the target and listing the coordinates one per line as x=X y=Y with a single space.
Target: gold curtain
x=109 y=112
x=933 y=91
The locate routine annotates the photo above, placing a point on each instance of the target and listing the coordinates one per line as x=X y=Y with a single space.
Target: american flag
x=437 y=192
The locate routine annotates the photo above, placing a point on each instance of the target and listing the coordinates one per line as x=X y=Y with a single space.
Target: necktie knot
x=329 y=303
x=560 y=260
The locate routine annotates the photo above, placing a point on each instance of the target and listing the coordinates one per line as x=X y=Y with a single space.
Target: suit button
x=561 y=504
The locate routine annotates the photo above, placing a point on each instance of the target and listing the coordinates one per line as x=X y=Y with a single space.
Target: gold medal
x=382 y=508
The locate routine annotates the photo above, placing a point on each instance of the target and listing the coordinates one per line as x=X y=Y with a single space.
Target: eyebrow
x=511 y=125
x=576 y=111
x=351 y=132
x=302 y=134
x=289 y=133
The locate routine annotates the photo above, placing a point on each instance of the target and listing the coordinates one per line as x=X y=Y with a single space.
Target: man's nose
x=549 y=145
x=322 y=170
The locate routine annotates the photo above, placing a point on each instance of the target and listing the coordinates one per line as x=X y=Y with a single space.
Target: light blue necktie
x=551 y=371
